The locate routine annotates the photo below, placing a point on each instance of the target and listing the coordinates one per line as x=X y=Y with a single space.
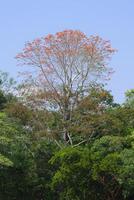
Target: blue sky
x=24 y=20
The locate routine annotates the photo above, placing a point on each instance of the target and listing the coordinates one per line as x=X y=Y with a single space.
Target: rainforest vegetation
x=62 y=135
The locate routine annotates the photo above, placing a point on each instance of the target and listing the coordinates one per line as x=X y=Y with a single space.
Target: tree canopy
x=62 y=135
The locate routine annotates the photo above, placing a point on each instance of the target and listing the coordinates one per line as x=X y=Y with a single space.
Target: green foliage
x=5 y=161
x=6 y=82
x=72 y=178
x=27 y=173
x=99 y=165
x=3 y=100
x=126 y=175
x=129 y=98
x=7 y=86
x=8 y=126
x=103 y=170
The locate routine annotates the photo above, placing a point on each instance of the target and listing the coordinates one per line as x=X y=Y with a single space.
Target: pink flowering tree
x=63 y=66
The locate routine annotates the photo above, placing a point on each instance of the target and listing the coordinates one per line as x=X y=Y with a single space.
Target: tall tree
x=64 y=66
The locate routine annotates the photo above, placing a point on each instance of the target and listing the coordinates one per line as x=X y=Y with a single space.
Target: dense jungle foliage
x=36 y=163
x=62 y=136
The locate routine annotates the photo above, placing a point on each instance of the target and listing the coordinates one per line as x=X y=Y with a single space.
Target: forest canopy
x=62 y=135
